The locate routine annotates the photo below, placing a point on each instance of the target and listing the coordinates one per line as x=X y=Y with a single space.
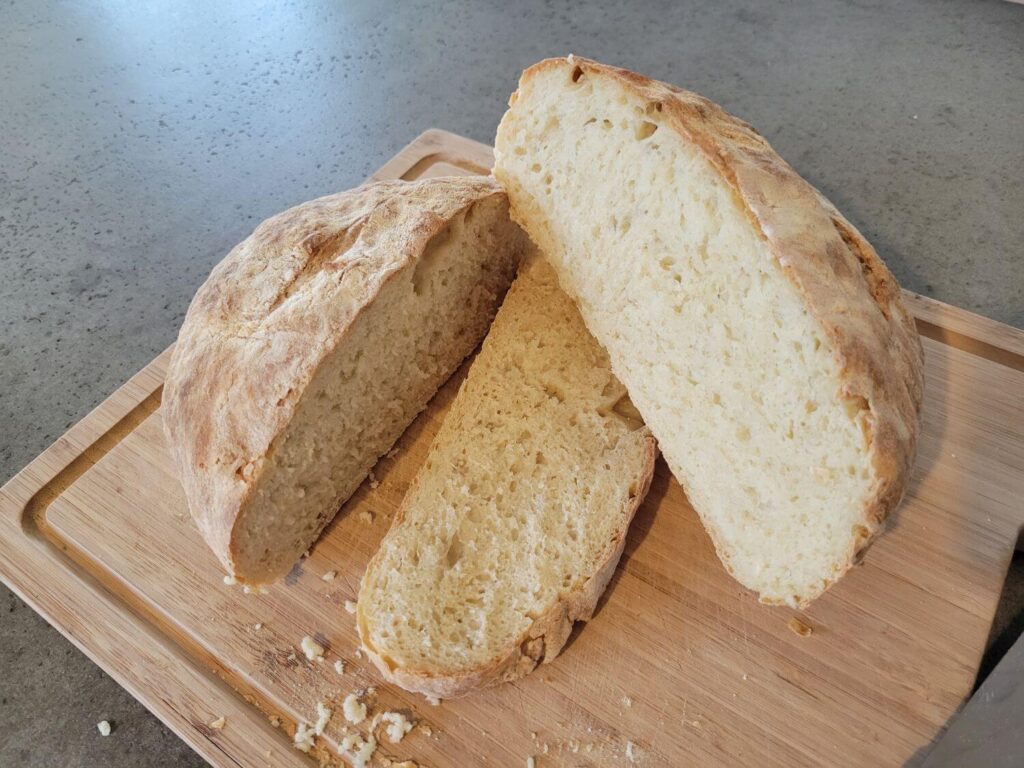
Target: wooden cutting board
x=680 y=666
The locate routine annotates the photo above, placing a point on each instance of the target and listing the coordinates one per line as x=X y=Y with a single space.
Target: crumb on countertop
x=103 y=727
x=219 y=723
x=350 y=606
x=339 y=667
x=230 y=580
x=366 y=516
x=329 y=576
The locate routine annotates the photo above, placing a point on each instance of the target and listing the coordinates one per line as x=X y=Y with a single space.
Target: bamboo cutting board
x=680 y=666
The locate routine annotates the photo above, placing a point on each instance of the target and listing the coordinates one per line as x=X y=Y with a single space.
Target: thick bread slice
x=315 y=343
x=761 y=337
x=514 y=525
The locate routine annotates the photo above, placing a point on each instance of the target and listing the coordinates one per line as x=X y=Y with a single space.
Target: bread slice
x=761 y=337
x=315 y=343
x=514 y=525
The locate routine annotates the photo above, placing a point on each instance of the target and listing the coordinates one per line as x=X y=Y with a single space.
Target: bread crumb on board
x=799 y=627
x=374 y=482
x=219 y=723
x=353 y=709
x=366 y=517
x=323 y=717
x=103 y=727
x=339 y=667
x=627 y=702
x=396 y=725
x=313 y=650
x=359 y=750
x=329 y=576
x=433 y=701
x=305 y=738
x=230 y=580
x=350 y=606
x=531 y=762
x=632 y=753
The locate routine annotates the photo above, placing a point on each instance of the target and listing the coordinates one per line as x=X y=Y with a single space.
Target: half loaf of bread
x=759 y=334
x=315 y=343
x=514 y=525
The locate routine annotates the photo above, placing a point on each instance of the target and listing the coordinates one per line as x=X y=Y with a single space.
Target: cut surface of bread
x=514 y=525
x=759 y=335
x=315 y=343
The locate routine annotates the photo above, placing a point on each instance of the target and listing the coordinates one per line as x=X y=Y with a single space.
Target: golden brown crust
x=267 y=316
x=843 y=283
x=545 y=637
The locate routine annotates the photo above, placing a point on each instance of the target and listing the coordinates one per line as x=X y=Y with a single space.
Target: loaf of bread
x=315 y=343
x=514 y=525
x=757 y=332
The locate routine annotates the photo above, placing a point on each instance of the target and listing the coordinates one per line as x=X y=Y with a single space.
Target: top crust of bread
x=267 y=316
x=842 y=282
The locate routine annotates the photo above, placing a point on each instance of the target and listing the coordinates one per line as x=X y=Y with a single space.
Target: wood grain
x=680 y=662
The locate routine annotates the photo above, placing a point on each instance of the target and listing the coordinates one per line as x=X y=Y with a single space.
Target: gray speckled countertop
x=140 y=141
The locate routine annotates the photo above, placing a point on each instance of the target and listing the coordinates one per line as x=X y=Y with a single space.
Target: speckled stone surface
x=140 y=141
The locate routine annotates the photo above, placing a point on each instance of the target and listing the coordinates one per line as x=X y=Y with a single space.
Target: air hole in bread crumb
x=854 y=405
x=577 y=74
x=644 y=130
x=454 y=553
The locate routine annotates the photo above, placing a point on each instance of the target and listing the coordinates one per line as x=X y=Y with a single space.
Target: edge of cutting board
x=170 y=683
